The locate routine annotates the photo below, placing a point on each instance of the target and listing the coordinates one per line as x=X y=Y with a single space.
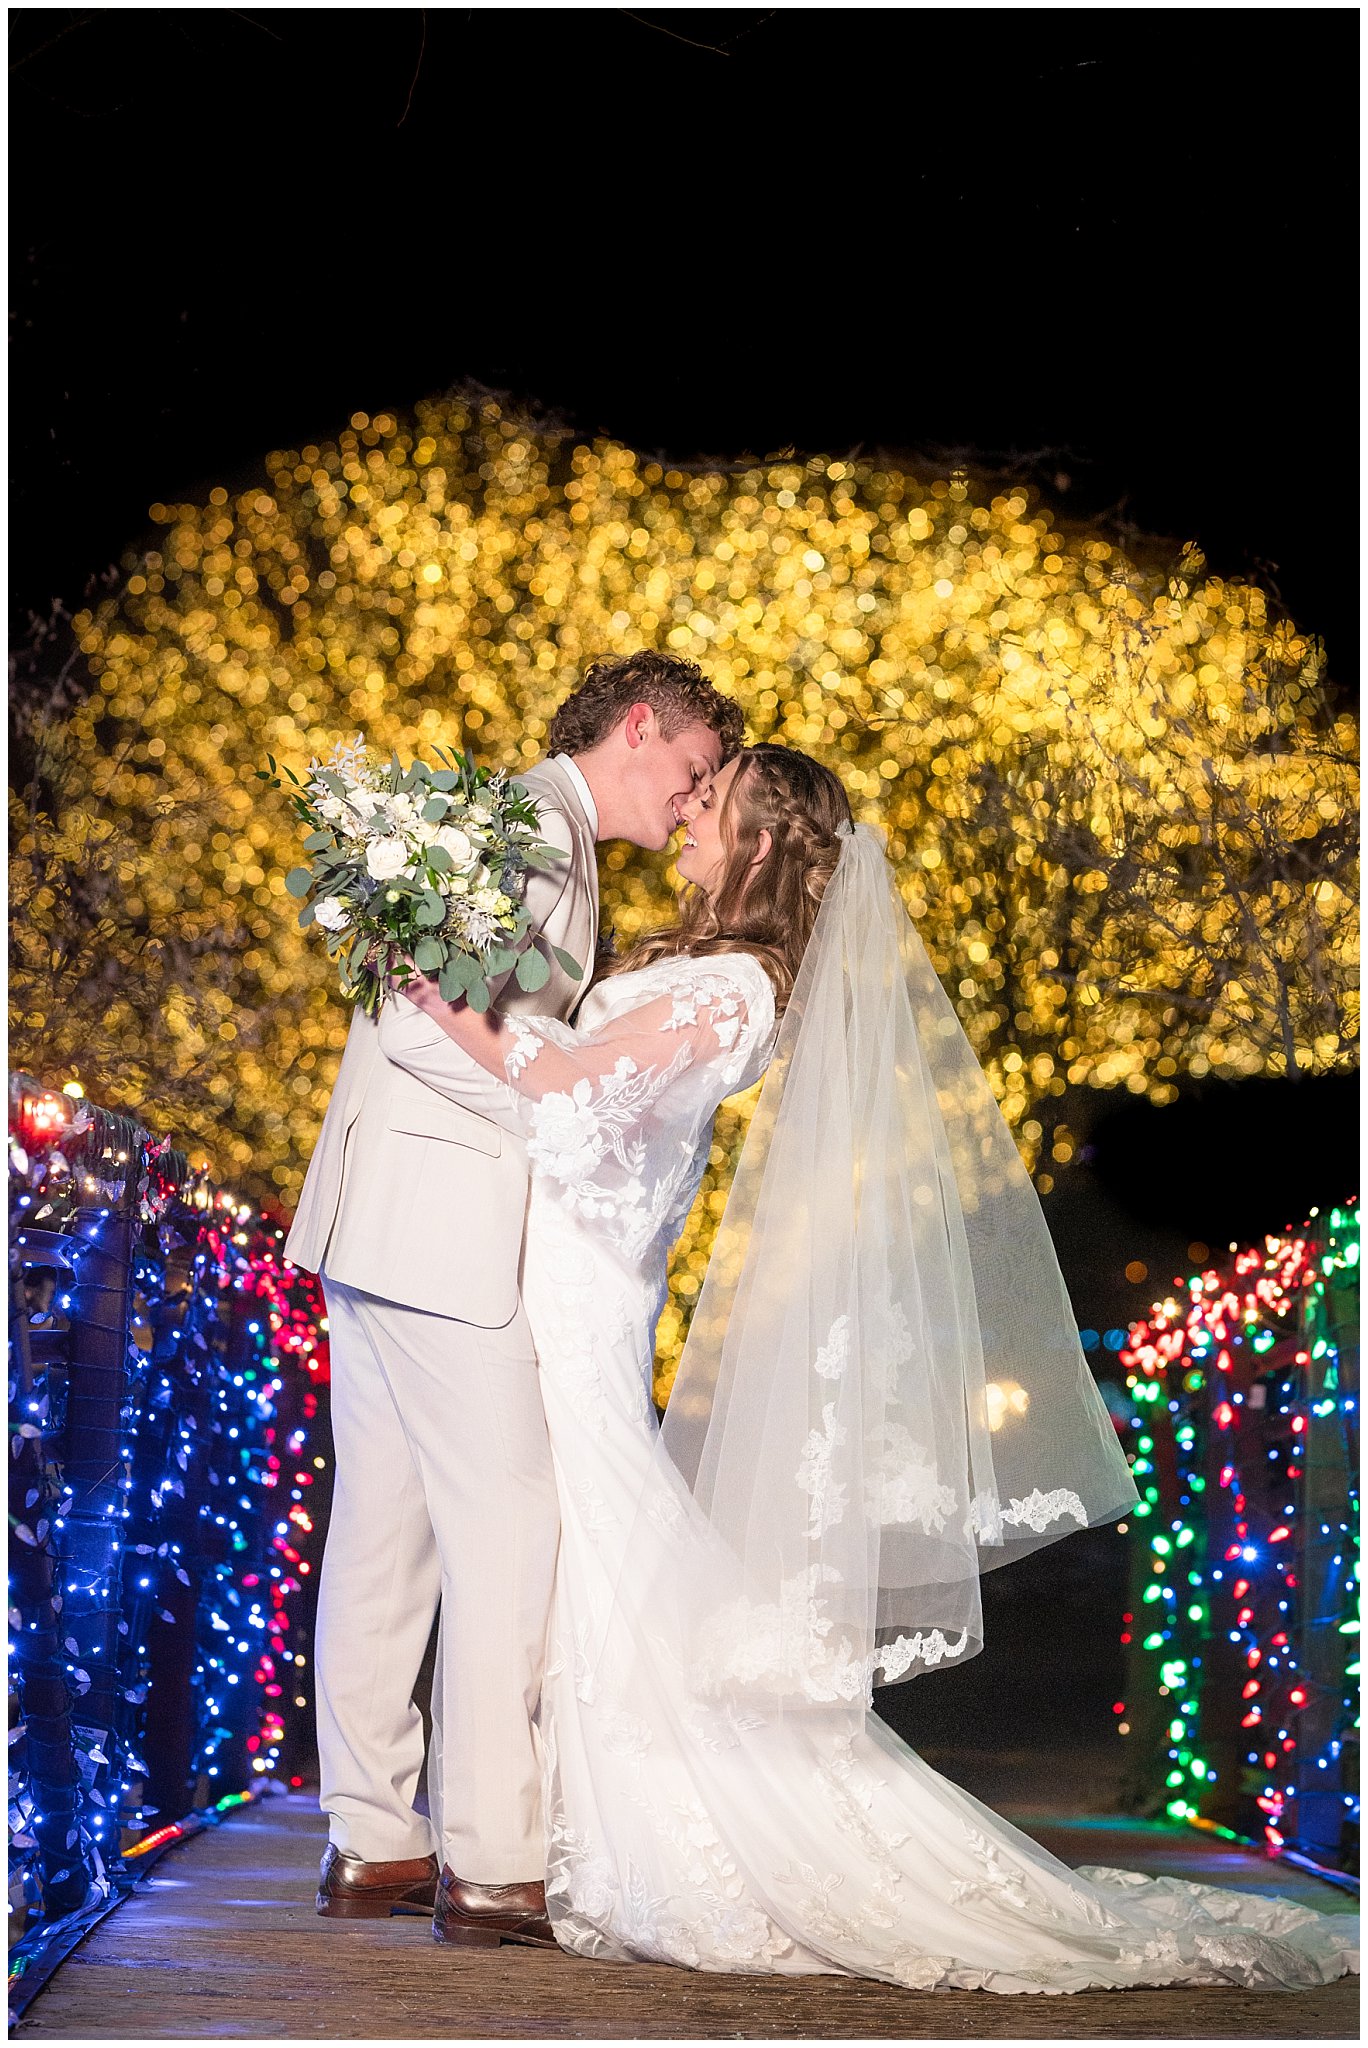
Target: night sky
x=1106 y=245
x=1110 y=250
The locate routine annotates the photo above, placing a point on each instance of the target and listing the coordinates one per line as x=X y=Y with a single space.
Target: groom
x=412 y=1212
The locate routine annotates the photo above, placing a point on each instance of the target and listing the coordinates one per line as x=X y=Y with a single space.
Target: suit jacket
x=417 y=1189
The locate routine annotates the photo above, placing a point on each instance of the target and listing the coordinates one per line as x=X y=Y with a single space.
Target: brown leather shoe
x=351 y=1889
x=483 y=1915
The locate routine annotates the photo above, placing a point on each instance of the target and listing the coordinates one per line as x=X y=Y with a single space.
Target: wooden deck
x=223 y=1943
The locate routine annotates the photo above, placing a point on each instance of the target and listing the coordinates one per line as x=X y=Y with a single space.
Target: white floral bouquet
x=418 y=867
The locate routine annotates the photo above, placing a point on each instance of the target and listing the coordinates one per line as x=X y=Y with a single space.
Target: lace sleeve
x=607 y=1112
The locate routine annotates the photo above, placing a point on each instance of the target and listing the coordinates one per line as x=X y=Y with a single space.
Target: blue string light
x=181 y=1542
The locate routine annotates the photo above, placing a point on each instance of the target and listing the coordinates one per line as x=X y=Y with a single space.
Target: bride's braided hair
x=768 y=910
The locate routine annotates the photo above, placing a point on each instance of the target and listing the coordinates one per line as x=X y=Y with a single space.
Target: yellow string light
x=446 y=578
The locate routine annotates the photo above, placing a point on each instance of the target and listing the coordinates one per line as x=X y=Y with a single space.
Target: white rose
x=479 y=814
x=386 y=858
x=487 y=899
x=332 y=913
x=453 y=840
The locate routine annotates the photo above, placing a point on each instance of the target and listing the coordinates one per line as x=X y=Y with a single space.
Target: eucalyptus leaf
x=532 y=971
x=316 y=842
x=457 y=976
x=429 y=956
x=499 y=959
x=299 y=881
x=306 y=917
x=438 y=859
x=569 y=964
x=435 y=809
x=431 y=910
x=478 y=995
x=445 y=778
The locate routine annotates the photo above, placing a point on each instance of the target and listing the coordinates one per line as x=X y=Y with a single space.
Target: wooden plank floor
x=223 y=1942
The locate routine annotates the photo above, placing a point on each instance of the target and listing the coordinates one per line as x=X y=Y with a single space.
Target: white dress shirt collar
x=582 y=789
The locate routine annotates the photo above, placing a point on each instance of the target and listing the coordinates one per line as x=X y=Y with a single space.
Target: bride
x=882 y=1395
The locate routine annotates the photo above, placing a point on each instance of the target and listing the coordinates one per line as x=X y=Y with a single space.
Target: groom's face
x=666 y=774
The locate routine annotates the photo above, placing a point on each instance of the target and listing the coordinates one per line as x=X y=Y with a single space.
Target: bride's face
x=702 y=858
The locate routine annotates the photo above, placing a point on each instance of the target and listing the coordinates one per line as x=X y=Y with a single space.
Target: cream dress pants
x=443 y=1491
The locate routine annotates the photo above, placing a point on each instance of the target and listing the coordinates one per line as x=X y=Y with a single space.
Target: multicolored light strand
x=1243 y=1620
x=161 y=1604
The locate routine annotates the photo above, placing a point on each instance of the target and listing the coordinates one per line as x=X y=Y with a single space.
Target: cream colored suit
x=413 y=1210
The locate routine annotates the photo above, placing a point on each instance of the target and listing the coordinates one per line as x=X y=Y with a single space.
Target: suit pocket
x=438 y=1119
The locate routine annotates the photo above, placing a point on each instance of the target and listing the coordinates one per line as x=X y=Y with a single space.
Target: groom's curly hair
x=677 y=691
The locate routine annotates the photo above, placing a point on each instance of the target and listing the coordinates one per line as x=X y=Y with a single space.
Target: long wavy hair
x=767 y=910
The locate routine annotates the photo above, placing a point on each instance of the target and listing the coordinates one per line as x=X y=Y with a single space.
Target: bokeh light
x=1119 y=798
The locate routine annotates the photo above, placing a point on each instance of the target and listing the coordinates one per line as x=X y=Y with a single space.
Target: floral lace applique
x=890 y=1343
x=586 y=1685
x=771 y=1645
x=824 y=1926
x=829 y=1498
x=624 y=1735
x=717 y=1728
x=713 y=1924
x=664 y=1511
x=833 y=1356
x=920 y=1972
x=849 y=1790
x=1003 y=1881
x=594 y=1511
x=571 y=1134
x=987 y=1515
x=1039 y=1509
x=527 y=1043
x=717 y=989
x=1162 y=1952
x=984 y=1519
x=931 y=1647
x=902 y=1485
x=785 y=1649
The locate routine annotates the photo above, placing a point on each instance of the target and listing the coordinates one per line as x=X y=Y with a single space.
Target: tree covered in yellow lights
x=1120 y=801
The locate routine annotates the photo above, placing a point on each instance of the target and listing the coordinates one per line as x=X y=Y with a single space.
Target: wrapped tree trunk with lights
x=1242 y=1628
x=163 y=1640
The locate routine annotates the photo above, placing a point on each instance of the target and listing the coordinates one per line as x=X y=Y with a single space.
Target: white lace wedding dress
x=684 y=1825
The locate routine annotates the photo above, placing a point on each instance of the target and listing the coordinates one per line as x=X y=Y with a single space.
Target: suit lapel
x=590 y=855
x=568 y=798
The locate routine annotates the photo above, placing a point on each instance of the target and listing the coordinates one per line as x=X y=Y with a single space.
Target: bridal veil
x=882 y=1394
